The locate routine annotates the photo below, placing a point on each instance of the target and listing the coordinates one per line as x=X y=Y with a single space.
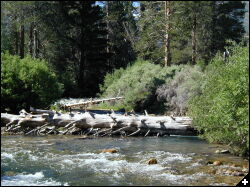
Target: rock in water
x=109 y=151
x=245 y=170
x=152 y=161
x=217 y=151
x=237 y=173
x=10 y=173
x=217 y=163
x=85 y=137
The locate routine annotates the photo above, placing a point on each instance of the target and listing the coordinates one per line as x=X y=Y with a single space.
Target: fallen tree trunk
x=90 y=102
x=45 y=122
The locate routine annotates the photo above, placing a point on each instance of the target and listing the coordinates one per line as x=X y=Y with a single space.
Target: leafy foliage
x=221 y=112
x=27 y=82
x=137 y=83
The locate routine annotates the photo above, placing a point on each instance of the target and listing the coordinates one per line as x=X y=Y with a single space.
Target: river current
x=68 y=160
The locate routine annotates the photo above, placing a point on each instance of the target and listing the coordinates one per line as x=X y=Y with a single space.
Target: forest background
x=168 y=57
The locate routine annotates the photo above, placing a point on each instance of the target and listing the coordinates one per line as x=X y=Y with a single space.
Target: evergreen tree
x=150 y=45
x=189 y=31
x=195 y=19
x=16 y=18
x=228 y=17
x=121 y=35
x=84 y=33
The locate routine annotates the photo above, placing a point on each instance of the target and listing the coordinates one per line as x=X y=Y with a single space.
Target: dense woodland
x=169 y=57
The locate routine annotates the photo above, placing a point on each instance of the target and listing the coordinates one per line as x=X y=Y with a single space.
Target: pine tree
x=152 y=32
x=19 y=16
x=196 y=20
x=121 y=33
x=228 y=17
x=84 y=35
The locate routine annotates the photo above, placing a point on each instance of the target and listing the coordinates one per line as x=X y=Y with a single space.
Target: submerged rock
x=85 y=137
x=109 y=151
x=233 y=165
x=231 y=172
x=10 y=173
x=237 y=173
x=152 y=161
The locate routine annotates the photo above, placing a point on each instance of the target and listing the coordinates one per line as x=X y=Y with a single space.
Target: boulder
x=217 y=151
x=152 y=161
x=217 y=163
x=109 y=151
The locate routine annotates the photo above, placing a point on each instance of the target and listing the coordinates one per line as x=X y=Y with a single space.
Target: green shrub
x=137 y=83
x=222 y=112
x=110 y=78
x=27 y=82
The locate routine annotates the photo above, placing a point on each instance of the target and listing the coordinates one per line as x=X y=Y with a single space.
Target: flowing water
x=67 y=160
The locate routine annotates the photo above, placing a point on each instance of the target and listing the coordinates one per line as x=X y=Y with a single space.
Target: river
x=67 y=161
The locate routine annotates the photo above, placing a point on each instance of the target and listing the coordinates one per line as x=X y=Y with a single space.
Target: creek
x=67 y=160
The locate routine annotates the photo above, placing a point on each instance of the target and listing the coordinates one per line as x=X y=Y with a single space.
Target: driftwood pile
x=41 y=122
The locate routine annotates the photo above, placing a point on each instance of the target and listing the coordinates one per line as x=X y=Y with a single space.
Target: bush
x=177 y=91
x=110 y=78
x=27 y=82
x=137 y=83
x=221 y=112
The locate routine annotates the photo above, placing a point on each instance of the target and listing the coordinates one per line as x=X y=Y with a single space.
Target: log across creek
x=41 y=122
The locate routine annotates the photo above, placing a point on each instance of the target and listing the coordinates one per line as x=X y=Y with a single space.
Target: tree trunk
x=22 y=36
x=194 y=42
x=167 y=38
x=108 y=30
x=96 y=124
x=82 y=61
x=31 y=39
x=213 y=42
x=35 y=44
x=16 y=43
x=15 y=37
x=91 y=102
x=21 y=41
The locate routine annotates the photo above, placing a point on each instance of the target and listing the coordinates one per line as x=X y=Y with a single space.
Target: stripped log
x=99 y=124
x=91 y=102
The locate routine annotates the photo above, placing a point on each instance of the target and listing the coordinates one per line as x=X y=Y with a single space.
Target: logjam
x=42 y=122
